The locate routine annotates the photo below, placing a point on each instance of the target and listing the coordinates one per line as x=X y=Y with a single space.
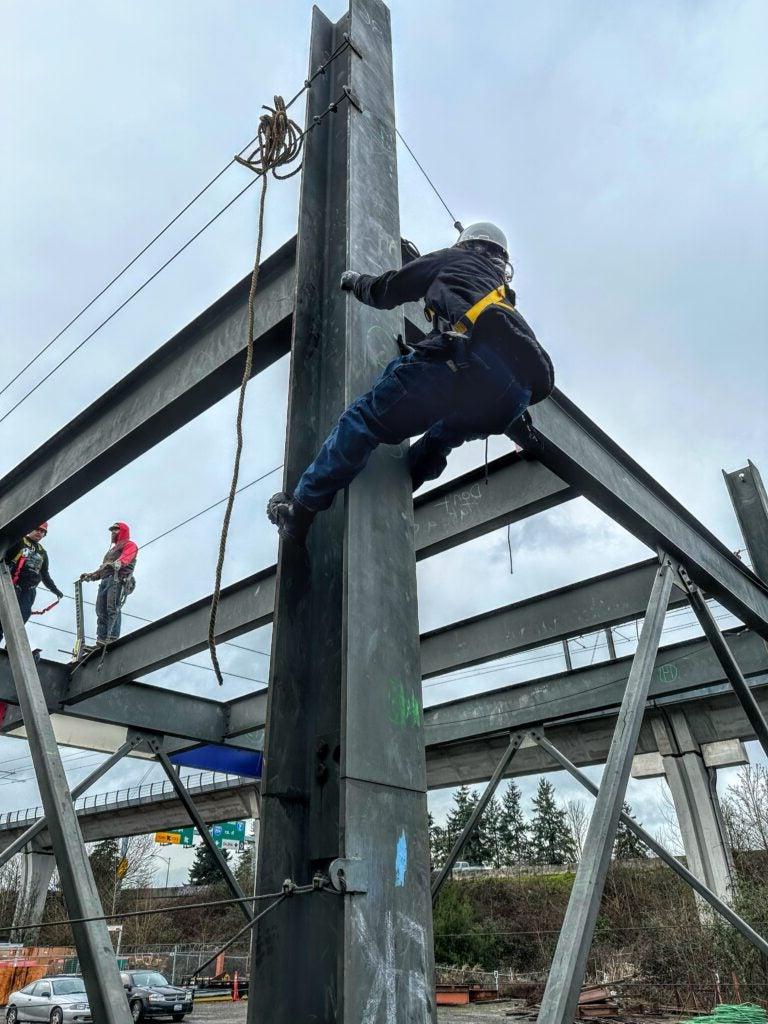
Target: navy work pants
x=108 y=605
x=451 y=392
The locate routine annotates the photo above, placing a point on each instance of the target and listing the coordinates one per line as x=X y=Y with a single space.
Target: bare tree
x=578 y=822
x=745 y=809
x=669 y=834
x=141 y=862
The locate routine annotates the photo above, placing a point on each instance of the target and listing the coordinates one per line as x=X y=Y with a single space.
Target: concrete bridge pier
x=37 y=864
x=692 y=779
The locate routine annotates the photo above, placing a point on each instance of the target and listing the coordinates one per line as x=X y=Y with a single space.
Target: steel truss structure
x=341 y=724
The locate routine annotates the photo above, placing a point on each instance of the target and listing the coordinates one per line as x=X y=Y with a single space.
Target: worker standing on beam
x=475 y=374
x=28 y=564
x=117 y=582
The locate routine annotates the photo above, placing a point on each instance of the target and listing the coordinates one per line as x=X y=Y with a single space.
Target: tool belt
x=465 y=323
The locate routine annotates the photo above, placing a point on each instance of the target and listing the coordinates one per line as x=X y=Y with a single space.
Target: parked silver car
x=59 y=1000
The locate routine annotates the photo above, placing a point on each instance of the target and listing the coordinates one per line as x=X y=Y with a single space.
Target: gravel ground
x=234 y=1013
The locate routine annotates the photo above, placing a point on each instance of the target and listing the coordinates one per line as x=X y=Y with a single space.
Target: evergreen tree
x=438 y=844
x=551 y=836
x=204 y=869
x=244 y=870
x=104 y=859
x=513 y=842
x=628 y=846
x=478 y=848
x=489 y=824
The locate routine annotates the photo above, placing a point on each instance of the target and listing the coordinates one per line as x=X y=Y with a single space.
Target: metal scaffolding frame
x=344 y=788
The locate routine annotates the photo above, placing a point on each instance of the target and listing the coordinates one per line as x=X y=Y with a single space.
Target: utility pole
x=344 y=785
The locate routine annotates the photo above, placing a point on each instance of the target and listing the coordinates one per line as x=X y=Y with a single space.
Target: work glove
x=348 y=280
x=117 y=565
x=86 y=576
x=59 y=594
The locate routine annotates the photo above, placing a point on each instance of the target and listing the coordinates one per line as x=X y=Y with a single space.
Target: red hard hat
x=43 y=526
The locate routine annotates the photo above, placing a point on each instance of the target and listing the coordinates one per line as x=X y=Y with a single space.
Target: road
x=234 y=1013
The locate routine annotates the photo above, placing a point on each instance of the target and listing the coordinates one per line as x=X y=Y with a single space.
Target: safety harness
x=501 y=296
x=497 y=297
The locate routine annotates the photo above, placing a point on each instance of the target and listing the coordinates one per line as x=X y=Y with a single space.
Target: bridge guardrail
x=200 y=783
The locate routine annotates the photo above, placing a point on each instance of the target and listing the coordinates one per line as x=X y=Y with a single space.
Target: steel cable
x=297 y=890
x=320 y=70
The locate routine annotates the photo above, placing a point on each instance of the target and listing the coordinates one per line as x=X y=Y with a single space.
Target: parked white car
x=59 y=1000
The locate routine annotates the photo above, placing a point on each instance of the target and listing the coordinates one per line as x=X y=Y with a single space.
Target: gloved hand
x=117 y=565
x=58 y=594
x=86 y=576
x=348 y=279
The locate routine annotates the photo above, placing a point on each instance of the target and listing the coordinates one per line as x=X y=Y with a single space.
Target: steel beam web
x=558 y=1004
x=106 y=994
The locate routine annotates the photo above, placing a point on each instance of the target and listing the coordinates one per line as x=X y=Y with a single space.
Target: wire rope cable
x=320 y=70
x=456 y=222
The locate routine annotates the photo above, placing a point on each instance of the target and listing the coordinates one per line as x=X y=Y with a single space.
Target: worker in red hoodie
x=117 y=582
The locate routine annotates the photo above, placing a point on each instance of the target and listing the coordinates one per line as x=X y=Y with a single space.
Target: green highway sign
x=176 y=837
x=228 y=835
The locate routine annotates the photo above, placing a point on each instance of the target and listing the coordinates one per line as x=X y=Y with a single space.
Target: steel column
x=199 y=822
x=558 y=1005
x=78 y=790
x=482 y=803
x=730 y=665
x=750 y=502
x=345 y=774
x=37 y=866
x=106 y=994
x=717 y=904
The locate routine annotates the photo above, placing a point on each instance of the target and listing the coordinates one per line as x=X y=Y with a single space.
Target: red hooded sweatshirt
x=121 y=556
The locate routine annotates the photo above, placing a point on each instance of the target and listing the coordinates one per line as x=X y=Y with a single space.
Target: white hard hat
x=484 y=231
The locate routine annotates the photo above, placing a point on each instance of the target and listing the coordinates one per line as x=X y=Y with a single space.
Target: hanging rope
x=279 y=142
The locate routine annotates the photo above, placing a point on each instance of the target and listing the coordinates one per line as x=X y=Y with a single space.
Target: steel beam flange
x=349 y=875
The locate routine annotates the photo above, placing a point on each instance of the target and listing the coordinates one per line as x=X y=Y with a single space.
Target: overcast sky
x=621 y=146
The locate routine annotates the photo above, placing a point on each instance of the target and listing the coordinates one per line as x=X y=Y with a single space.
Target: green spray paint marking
x=404 y=707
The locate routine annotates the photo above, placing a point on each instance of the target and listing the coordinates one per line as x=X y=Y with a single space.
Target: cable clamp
x=289 y=887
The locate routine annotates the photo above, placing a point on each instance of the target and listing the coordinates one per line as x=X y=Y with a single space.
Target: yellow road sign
x=165 y=838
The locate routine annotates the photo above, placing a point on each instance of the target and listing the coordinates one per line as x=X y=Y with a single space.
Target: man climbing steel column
x=475 y=374
x=28 y=564
x=117 y=582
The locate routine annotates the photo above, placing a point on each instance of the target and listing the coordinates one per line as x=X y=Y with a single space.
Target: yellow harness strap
x=498 y=297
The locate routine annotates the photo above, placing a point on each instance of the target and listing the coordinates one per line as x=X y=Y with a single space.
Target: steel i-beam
x=345 y=774
x=198 y=821
x=106 y=994
x=482 y=803
x=561 y=995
